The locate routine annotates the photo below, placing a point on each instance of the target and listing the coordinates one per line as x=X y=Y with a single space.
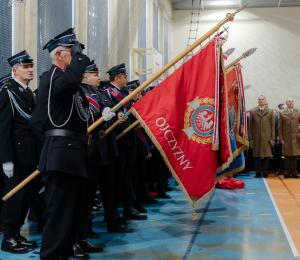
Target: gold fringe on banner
x=215 y=147
x=230 y=173
x=194 y=215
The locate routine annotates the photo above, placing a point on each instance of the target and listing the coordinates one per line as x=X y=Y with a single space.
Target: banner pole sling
x=229 y=17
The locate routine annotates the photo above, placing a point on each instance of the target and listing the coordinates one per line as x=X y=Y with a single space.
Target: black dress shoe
x=149 y=200
x=24 y=242
x=122 y=220
x=168 y=189
x=163 y=195
x=13 y=246
x=295 y=176
x=96 y=208
x=121 y=229
x=80 y=253
x=265 y=175
x=88 y=247
x=140 y=208
x=98 y=205
x=131 y=213
x=257 y=175
x=286 y=176
x=91 y=234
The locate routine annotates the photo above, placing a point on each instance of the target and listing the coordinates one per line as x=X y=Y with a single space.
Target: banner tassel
x=194 y=215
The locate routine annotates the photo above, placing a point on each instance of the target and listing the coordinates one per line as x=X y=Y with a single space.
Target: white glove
x=107 y=114
x=8 y=169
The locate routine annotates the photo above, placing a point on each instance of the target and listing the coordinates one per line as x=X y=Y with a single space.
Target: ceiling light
x=220 y=3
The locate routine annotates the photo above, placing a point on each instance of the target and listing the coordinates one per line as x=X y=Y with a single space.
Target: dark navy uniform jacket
x=16 y=148
x=106 y=100
x=64 y=154
x=129 y=138
x=97 y=149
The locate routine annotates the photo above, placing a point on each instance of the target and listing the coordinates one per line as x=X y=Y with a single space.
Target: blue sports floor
x=233 y=224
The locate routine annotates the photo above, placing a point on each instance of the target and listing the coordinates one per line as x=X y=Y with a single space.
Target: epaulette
x=6 y=85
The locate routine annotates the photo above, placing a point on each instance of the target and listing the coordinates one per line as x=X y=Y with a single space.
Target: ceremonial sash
x=19 y=109
x=143 y=138
x=119 y=96
x=93 y=102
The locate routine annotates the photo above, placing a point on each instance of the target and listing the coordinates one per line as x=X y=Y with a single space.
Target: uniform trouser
x=14 y=210
x=125 y=178
x=64 y=197
x=107 y=190
x=141 y=178
x=1 y=188
x=290 y=165
x=261 y=165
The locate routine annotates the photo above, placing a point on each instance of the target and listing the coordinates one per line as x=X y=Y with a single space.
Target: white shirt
x=115 y=86
x=22 y=84
x=291 y=111
x=261 y=108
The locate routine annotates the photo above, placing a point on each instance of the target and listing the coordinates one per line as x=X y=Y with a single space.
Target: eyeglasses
x=65 y=50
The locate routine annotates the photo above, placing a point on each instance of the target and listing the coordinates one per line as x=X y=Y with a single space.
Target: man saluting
x=64 y=158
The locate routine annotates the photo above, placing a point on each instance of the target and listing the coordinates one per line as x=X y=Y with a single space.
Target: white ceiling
x=226 y=4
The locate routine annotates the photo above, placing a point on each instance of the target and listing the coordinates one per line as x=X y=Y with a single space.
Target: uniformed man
x=64 y=157
x=143 y=153
x=3 y=81
x=18 y=150
x=98 y=157
x=125 y=170
x=261 y=134
x=289 y=136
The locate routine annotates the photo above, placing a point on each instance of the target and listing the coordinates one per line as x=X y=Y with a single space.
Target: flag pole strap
x=229 y=17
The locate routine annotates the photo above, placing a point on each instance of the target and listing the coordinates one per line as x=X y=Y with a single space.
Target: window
x=142 y=41
x=6 y=37
x=54 y=17
x=166 y=41
x=156 y=27
x=97 y=32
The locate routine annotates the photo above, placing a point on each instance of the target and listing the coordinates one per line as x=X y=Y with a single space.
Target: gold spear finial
x=241 y=9
x=249 y=52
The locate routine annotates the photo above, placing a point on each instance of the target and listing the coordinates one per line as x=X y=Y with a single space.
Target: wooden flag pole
x=127 y=130
x=244 y=56
x=229 y=17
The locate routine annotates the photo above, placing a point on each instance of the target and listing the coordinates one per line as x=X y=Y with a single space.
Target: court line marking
x=280 y=193
x=155 y=220
x=286 y=231
x=222 y=216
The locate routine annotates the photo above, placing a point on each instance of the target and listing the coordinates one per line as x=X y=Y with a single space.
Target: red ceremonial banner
x=179 y=115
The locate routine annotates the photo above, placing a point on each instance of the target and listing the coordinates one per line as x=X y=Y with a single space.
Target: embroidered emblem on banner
x=199 y=120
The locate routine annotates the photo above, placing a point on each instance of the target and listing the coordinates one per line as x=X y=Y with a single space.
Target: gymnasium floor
x=232 y=224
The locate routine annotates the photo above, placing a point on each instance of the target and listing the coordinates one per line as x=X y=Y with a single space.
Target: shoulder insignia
x=21 y=89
